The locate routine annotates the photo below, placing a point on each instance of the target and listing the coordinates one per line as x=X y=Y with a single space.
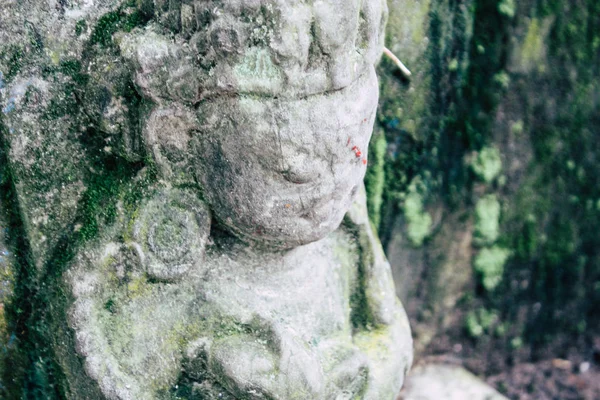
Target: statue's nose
x=303 y=167
x=299 y=176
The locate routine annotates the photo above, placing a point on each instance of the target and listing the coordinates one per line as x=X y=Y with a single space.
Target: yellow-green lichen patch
x=487 y=220
x=375 y=177
x=418 y=220
x=489 y=264
x=531 y=54
x=517 y=127
x=380 y=348
x=257 y=72
x=346 y=253
x=480 y=321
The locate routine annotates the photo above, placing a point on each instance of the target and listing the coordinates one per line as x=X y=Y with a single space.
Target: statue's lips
x=305 y=202
x=317 y=205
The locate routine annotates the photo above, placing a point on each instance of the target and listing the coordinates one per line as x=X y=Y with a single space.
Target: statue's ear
x=167 y=133
x=114 y=107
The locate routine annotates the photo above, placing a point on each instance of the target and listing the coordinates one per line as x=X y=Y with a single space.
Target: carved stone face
x=285 y=95
x=284 y=171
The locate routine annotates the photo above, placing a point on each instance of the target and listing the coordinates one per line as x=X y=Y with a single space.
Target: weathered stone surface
x=299 y=149
x=38 y=152
x=268 y=325
x=39 y=107
x=446 y=382
x=7 y=278
x=189 y=175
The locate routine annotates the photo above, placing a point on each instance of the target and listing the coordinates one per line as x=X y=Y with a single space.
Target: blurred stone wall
x=487 y=189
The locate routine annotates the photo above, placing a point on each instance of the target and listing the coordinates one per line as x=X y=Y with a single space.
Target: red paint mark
x=348 y=142
x=364 y=160
x=357 y=152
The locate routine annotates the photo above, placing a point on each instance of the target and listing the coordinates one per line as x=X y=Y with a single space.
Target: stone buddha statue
x=247 y=267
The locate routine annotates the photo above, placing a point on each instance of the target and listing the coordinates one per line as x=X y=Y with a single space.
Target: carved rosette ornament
x=170 y=234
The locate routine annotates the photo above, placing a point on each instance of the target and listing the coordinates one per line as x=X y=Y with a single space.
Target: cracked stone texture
x=189 y=177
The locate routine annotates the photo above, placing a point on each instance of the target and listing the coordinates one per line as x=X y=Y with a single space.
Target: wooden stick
x=405 y=71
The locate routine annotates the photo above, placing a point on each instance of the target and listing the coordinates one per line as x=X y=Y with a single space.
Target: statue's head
x=268 y=104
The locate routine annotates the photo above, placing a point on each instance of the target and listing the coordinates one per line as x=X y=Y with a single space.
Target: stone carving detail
x=170 y=234
x=247 y=267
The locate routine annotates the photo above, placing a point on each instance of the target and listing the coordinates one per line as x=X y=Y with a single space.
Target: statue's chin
x=292 y=231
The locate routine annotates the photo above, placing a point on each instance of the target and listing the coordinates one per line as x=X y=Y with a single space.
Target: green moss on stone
x=123 y=19
x=375 y=177
x=418 y=220
x=80 y=27
x=489 y=264
x=487 y=165
x=480 y=321
x=487 y=220
x=507 y=8
x=361 y=315
x=13 y=57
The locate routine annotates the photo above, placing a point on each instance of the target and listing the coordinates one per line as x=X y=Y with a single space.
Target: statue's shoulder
x=131 y=289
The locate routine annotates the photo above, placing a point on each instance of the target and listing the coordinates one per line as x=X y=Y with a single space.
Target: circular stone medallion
x=172 y=229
